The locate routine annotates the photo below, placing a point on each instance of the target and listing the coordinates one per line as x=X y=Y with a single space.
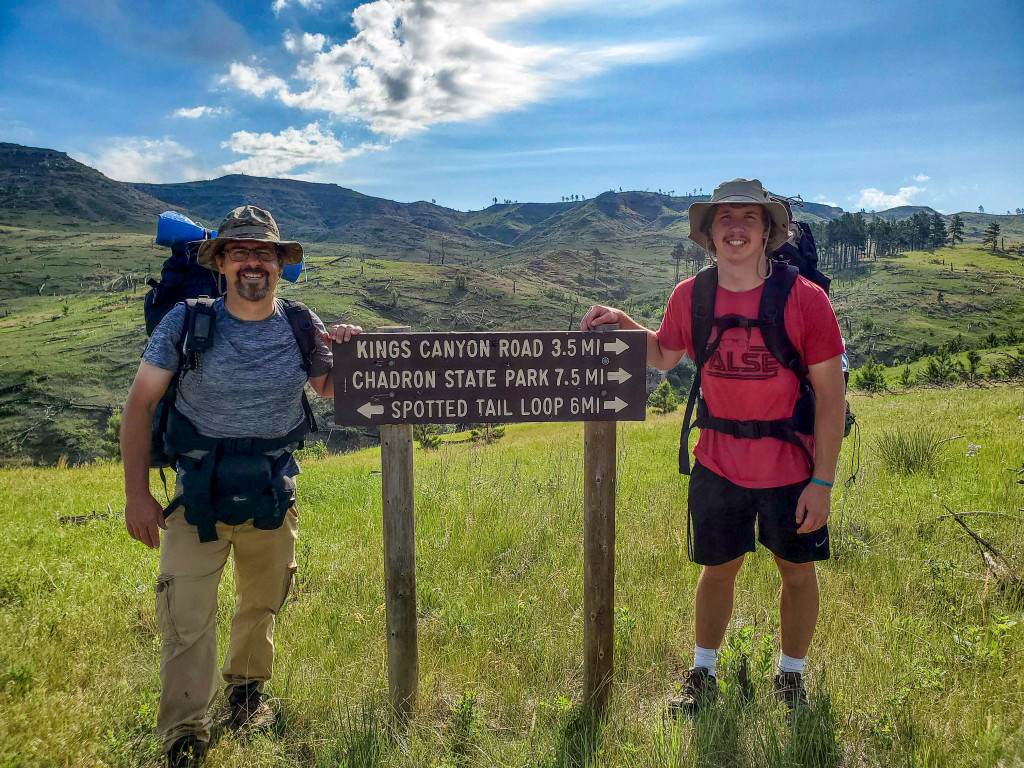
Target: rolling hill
x=77 y=249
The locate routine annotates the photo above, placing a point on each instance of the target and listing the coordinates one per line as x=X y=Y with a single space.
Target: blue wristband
x=816 y=481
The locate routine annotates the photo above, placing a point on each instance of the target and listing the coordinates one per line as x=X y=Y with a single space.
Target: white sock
x=705 y=657
x=789 y=664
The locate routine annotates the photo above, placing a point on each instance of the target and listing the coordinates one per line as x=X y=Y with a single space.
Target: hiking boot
x=250 y=711
x=186 y=752
x=699 y=690
x=789 y=689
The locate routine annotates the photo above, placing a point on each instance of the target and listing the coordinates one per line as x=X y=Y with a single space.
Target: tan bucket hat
x=740 y=192
x=247 y=222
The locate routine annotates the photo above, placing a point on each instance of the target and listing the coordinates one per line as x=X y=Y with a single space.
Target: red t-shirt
x=743 y=381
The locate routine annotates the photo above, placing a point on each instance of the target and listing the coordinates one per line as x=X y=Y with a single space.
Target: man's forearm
x=829 y=424
x=136 y=430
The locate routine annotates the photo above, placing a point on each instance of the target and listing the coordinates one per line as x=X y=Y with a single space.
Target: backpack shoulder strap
x=301 y=321
x=702 y=311
x=702 y=318
x=773 y=314
x=200 y=325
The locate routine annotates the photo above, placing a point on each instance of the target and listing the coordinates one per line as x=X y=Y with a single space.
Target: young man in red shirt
x=784 y=488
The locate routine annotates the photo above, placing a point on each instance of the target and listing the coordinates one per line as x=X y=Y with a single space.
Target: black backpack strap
x=200 y=325
x=702 y=312
x=702 y=316
x=301 y=321
x=772 y=314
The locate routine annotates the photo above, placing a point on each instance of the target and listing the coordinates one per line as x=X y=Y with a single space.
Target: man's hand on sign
x=813 y=507
x=144 y=517
x=600 y=315
x=342 y=332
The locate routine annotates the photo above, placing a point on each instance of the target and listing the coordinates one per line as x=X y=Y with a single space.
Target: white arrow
x=620 y=375
x=616 y=346
x=370 y=409
x=616 y=405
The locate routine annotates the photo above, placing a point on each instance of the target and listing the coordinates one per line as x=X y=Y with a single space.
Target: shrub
x=907 y=379
x=110 y=443
x=426 y=435
x=460 y=284
x=940 y=369
x=910 y=450
x=870 y=377
x=663 y=399
x=486 y=433
x=314 y=449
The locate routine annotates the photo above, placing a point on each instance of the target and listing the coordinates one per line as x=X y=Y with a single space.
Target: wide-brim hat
x=247 y=222
x=740 y=192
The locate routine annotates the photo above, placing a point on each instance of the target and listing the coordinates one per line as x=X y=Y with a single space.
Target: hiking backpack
x=182 y=276
x=791 y=260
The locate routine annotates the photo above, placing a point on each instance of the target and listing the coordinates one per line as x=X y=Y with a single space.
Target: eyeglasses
x=242 y=254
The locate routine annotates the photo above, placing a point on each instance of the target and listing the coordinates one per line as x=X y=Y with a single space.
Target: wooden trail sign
x=450 y=378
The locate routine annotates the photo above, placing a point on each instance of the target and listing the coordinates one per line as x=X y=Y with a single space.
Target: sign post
x=394 y=378
x=599 y=484
x=398 y=485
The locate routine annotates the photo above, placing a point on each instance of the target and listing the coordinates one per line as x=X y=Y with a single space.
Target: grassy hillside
x=71 y=326
x=889 y=306
x=71 y=331
x=917 y=660
x=46 y=188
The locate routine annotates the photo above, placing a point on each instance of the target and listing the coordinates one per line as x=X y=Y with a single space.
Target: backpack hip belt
x=231 y=480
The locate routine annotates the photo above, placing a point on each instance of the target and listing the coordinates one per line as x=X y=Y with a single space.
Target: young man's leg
x=186 y=609
x=795 y=556
x=712 y=605
x=722 y=529
x=798 y=607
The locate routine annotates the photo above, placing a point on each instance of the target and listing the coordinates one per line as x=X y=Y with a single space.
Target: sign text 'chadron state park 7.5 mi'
x=460 y=378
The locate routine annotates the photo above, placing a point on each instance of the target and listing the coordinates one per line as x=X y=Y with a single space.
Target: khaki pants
x=186 y=609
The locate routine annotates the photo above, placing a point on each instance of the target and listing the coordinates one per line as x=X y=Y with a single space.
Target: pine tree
x=678 y=253
x=938 y=233
x=956 y=229
x=663 y=399
x=992 y=235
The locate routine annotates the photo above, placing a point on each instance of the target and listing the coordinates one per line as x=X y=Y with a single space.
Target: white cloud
x=305 y=44
x=820 y=199
x=140 y=159
x=279 y=154
x=416 y=63
x=252 y=80
x=193 y=113
x=872 y=199
x=920 y=177
x=309 y=5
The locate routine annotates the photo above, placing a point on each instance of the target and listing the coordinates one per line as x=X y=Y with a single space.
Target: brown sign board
x=489 y=378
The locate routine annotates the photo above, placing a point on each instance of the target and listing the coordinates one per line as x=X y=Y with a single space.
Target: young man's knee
x=797 y=575
x=724 y=573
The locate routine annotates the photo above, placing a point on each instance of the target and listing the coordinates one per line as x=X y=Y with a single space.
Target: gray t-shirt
x=249 y=383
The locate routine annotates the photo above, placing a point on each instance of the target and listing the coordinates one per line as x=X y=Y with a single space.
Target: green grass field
x=918 y=660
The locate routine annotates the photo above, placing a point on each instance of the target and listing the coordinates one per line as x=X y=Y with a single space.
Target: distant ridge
x=45 y=187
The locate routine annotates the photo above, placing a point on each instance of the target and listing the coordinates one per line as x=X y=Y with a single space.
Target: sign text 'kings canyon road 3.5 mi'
x=448 y=378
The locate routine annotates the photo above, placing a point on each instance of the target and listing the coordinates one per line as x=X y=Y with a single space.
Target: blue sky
x=855 y=103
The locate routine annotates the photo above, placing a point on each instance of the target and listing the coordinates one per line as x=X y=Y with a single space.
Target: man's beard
x=253 y=292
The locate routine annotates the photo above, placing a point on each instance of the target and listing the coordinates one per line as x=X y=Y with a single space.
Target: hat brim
x=697 y=213
x=207 y=254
